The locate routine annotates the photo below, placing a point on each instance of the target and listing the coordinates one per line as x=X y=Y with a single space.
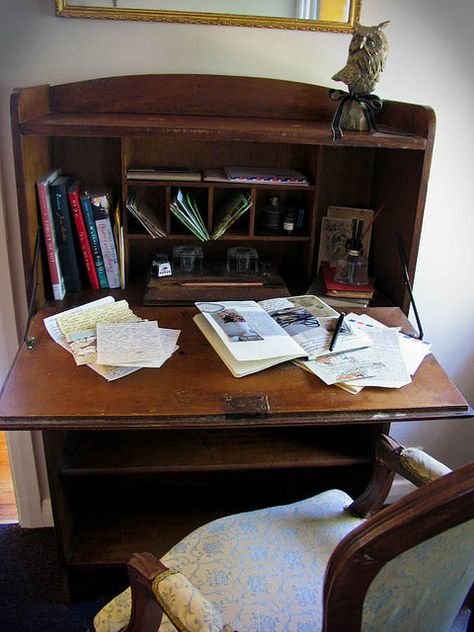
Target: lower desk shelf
x=115 y=493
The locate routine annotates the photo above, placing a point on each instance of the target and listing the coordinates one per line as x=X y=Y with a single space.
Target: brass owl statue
x=367 y=54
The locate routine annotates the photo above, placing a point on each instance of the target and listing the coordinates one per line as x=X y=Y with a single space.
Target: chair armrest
x=392 y=458
x=157 y=589
x=419 y=467
x=146 y=613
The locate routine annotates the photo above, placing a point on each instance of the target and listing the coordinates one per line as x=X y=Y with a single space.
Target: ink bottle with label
x=289 y=221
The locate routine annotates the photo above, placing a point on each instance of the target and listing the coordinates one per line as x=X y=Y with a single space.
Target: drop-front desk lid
x=45 y=389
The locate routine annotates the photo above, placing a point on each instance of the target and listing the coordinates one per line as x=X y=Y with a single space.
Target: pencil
x=337 y=329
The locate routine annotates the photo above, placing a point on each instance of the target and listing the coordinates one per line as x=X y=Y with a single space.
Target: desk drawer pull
x=246 y=406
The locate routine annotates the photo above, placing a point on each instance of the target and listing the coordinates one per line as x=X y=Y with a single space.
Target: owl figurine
x=367 y=54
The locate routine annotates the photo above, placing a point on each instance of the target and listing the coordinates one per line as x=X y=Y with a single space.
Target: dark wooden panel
x=396 y=185
x=165 y=451
x=211 y=95
x=115 y=517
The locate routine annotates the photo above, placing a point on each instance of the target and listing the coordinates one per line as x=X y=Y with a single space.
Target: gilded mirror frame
x=66 y=8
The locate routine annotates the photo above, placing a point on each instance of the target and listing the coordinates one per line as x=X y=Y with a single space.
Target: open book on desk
x=250 y=336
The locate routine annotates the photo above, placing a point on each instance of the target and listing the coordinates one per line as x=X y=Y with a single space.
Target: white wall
x=430 y=62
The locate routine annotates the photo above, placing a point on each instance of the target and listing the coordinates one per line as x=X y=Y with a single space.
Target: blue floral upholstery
x=422 y=589
x=263 y=570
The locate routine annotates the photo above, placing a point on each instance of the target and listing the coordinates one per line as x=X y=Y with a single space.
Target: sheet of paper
x=386 y=344
x=413 y=350
x=129 y=343
x=83 y=320
x=169 y=338
x=380 y=365
x=51 y=322
x=343 y=367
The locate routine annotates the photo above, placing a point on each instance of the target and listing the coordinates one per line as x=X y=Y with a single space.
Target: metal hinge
x=237 y=406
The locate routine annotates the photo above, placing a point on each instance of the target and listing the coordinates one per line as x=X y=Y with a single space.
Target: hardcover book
x=266 y=175
x=64 y=233
x=49 y=233
x=75 y=204
x=102 y=210
x=94 y=240
x=333 y=288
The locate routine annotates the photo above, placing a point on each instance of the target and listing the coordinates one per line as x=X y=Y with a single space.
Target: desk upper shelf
x=212 y=128
x=208 y=107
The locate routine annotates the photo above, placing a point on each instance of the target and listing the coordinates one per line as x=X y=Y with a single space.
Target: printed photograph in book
x=235 y=326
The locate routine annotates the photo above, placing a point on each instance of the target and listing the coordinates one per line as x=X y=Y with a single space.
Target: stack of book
x=78 y=228
x=340 y=295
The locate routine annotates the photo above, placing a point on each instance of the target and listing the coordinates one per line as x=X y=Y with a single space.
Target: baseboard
x=47 y=512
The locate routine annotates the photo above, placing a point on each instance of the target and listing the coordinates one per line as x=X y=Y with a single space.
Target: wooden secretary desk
x=137 y=463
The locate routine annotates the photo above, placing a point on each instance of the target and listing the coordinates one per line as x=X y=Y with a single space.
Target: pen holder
x=352 y=269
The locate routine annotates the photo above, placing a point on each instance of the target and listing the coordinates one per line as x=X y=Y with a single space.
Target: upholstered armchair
x=326 y=563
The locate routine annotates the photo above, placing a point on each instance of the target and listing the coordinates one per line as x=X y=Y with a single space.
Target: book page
x=248 y=332
x=311 y=323
x=236 y=367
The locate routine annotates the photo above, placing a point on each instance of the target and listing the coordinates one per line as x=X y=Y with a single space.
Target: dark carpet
x=32 y=593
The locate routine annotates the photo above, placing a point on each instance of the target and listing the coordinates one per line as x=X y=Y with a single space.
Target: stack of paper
x=128 y=343
x=186 y=210
x=389 y=362
x=147 y=217
x=230 y=212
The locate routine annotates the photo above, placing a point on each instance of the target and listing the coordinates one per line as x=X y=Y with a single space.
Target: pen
x=337 y=329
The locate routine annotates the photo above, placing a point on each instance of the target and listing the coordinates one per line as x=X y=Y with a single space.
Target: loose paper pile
x=389 y=362
x=111 y=339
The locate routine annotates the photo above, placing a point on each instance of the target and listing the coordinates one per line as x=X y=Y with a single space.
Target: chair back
x=410 y=566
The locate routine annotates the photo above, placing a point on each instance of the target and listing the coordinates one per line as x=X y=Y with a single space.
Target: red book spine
x=57 y=279
x=75 y=203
